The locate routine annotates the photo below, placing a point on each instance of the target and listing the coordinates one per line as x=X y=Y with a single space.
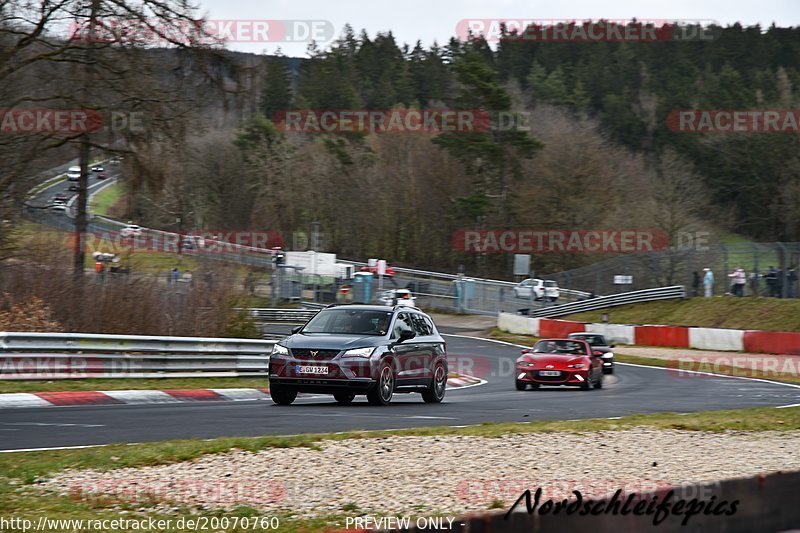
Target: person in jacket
x=771 y=278
x=708 y=282
x=739 y=280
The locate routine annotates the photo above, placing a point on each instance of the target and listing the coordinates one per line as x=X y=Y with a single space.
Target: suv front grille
x=314 y=355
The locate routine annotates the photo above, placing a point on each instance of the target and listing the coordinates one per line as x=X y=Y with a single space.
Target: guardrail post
x=784 y=268
x=725 y=263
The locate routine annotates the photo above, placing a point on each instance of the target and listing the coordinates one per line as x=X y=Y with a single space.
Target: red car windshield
x=565 y=347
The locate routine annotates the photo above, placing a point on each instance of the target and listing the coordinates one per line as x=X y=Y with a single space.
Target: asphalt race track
x=632 y=389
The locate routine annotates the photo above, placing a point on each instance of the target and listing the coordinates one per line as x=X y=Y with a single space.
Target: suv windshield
x=550 y=284
x=349 y=322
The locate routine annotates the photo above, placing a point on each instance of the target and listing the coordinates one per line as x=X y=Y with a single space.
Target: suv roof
x=372 y=307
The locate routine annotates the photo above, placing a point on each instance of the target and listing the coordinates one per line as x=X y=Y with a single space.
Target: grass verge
x=27 y=467
x=770 y=314
x=64 y=385
x=102 y=202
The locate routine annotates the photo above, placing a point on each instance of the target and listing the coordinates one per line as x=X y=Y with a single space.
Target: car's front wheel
x=599 y=383
x=521 y=385
x=381 y=393
x=435 y=392
x=282 y=395
x=344 y=398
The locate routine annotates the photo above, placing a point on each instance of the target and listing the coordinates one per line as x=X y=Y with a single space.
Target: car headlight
x=277 y=349
x=526 y=363
x=608 y=355
x=359 y=352
x=577 y=365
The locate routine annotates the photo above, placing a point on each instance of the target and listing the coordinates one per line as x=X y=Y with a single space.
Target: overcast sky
x=430 y=20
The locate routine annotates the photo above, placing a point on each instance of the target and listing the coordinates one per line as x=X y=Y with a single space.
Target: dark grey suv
x=347 y=350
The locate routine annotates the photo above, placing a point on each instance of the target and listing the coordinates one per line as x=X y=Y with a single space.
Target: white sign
x=313 y=262
x=382 y=267
x=522 y=264
x=623 y=280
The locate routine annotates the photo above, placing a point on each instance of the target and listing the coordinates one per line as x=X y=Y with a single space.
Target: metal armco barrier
x=601 y=302
x=84 y=355
x=764 y=503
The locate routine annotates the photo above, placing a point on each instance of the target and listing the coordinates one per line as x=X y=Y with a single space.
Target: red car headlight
x=577 y=365
x=526 y=363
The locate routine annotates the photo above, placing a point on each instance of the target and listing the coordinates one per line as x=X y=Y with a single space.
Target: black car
x=349 y=350
x=599 y=344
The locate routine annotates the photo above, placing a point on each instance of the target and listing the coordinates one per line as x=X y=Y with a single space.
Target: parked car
x=349 y=350
x=398 y=297
x=541 y=289
x=131 y=230
x=599 y=346
x=97 y=168
x=559 y=362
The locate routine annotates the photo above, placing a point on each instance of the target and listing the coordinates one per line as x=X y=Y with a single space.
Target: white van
x=74 y=173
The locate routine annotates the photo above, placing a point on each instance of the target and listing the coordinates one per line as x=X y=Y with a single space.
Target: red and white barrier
x=779 y=342
x=725 y=340
x=559 y=328
x=518 y=324
x=675 y=336
x=614 y=333
x=728 y=340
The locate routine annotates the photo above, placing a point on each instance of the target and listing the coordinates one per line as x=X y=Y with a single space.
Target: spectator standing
x=739 y=280
x=250 y=284
x=771 y=277
x=187 y=277
x=695 y=284
x=791 y=280
x=708 y=282
x=176 y=274
x=779 y=284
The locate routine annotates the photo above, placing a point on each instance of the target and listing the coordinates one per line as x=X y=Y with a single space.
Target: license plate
x=549 y=372
x=304 y=369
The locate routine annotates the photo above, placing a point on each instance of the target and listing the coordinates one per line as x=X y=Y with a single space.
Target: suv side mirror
x=296 y=329
x=407 y=334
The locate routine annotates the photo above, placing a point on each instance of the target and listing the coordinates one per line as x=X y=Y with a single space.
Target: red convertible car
x=559 y=362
